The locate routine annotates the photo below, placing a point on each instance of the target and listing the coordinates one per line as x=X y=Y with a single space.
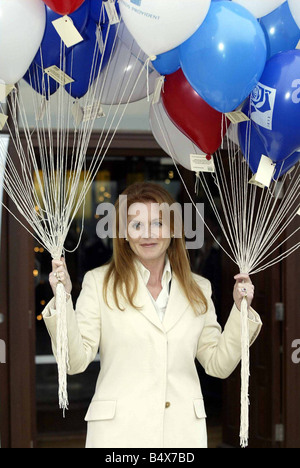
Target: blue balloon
x=167 y=63
x=85 y=61
x=40 y=81
x=275 y=105
x=224 y=59
x=253 y=148
x=50 y=51
x=281 y=30
x=98 y=11
x=96 y=8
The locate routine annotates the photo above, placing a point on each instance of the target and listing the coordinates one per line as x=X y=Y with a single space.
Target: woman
x=151 y=317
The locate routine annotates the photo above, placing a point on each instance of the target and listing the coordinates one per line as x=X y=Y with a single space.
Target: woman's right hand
x=60 y=274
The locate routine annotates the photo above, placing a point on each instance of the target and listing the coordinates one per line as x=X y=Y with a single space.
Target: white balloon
x=170 y=138
x=162 y=25
x=22 y=27
x=295 y=10
x=124 y=80
x=260 y=8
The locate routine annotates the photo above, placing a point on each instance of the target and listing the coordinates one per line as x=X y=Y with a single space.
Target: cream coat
x=148 y=393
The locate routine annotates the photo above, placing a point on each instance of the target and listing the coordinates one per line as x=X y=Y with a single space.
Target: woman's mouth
x=148 y=245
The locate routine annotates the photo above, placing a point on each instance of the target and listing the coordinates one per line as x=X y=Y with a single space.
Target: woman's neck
x=156 y=268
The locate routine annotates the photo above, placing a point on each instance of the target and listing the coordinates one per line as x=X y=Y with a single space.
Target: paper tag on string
x=92 y=112
x=5 y=90
x=112 y=12
x=158 y=88
x=265 y=173
x=279 y=190
x=202 y=163
x=237 y=117
x=77 y=113
x=67 y=31
x=3 y=120
x=58 y=75
x=99 y=38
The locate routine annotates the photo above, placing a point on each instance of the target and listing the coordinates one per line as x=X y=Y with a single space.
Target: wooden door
x=17 y=384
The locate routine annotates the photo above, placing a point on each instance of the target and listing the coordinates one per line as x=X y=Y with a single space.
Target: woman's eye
x=158 y=223
x=136 y=225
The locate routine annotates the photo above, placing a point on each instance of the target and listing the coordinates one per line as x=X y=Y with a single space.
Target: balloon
x=224 y=59
x=260 y=8
x=64 y=7
x=191 y=114
x=275 y=105
x=122 y=82
x=281 y=31
x=167 y=63
x=50 y=50
x=40 y=81
x=85 y=61
x=96 y=7
x=253 y=148
x=295 y=10
x=22 y=26
x=170 y=138
x=159 y=26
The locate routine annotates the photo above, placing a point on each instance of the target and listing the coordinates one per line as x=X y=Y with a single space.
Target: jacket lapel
x=177 y=305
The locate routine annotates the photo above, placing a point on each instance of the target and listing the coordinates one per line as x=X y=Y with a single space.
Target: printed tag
x=3 y=120
x=158 y=88
x=5 y=90
x=112 y=12
x=202 y=163
x=237 y=117
x=58 y=75
x=265 y=172
x=67 y=31
x=92 y=112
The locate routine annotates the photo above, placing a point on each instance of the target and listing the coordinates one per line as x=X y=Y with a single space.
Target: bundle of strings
x=46 y=173
x=253 y=222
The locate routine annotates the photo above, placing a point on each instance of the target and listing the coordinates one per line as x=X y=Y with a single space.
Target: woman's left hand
x=243 y=288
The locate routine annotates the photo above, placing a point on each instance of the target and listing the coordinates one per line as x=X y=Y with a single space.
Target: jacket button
x=168 y=404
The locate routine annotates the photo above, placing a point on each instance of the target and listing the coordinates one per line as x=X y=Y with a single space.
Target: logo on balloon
x=262 y=105
x=296 y=94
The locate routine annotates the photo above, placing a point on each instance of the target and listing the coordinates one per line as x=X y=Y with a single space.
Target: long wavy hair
x=121 y=268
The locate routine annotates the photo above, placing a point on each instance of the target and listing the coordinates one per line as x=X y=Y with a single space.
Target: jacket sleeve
x=84 y=326
x=220 y=352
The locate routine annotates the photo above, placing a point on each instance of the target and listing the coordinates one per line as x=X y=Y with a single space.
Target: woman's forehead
x=145 y=210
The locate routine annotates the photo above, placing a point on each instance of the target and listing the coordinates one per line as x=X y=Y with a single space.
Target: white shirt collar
x=167 y=273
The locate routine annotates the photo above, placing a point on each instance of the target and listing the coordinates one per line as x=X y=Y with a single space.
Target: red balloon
x=192 y=115
x=64 y=7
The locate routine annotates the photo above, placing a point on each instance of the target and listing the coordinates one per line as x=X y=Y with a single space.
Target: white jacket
x=148 y=393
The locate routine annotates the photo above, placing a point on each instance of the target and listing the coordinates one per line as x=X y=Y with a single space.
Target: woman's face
x=149 y=235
